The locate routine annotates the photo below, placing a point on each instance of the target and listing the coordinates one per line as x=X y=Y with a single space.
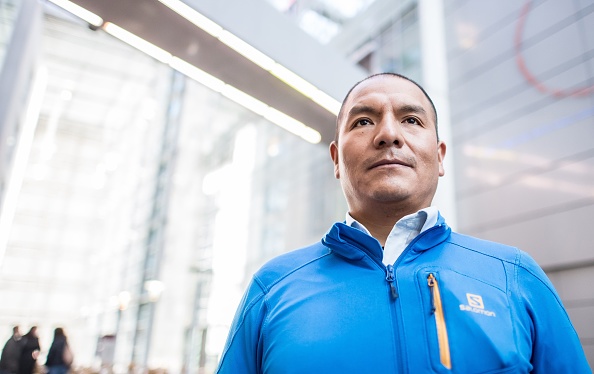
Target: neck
x=380 y=221
x=380 y=232
x=378 y=227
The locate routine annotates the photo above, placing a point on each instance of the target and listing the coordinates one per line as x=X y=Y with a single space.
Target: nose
x=388 y=133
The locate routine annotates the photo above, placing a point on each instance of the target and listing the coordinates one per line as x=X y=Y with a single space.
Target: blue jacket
x=450 y=304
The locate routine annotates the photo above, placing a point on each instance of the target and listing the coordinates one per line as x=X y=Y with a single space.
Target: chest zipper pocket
x=437 y=311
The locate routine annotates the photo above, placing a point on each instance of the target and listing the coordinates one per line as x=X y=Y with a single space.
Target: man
x=11 y=354
x=30 y=352
x=393 y=289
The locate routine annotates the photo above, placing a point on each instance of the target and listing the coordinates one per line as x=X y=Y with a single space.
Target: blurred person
x=11 y=353
x=59 y=357
x=30 y=352
x=393 y=289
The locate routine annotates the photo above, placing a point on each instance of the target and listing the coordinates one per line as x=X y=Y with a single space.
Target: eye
x=412 y=121
x=362 y=122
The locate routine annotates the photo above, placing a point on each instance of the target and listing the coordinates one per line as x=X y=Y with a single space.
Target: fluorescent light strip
x=273 y=115
x=196 y=74
x=327 y=102
x=246 y=50
x=137 y=42
x=80 y=12
x=293 y=80
x=245 y=100
x=301 y=85
x=292 y=125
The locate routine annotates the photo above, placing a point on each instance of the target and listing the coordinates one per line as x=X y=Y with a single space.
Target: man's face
x=387 y=150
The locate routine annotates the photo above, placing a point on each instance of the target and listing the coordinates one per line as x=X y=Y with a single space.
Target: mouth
x=389 y=162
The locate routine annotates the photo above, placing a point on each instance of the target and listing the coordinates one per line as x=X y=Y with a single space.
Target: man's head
x=341 y=111
x=387 y=154
x=33 y=331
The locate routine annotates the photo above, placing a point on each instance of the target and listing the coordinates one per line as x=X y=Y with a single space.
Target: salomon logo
x=475 y=301
x=476 y=305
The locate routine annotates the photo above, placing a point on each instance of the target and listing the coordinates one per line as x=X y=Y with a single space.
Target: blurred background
x=154 y=153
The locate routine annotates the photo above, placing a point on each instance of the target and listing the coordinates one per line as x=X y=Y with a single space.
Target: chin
x=390 y=195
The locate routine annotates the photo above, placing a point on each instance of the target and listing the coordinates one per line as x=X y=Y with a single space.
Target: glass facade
x=396 y=48
x=148 y=201
x=245 y=190
x=392 y=45
x=81 y=211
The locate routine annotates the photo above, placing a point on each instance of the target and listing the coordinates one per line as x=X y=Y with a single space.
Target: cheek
x=428 y=161
x=348 y=164
x=432 y=167
x=352 y=155
x=348 y=173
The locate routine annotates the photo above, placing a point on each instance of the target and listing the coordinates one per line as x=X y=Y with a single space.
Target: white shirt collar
x=403 y=232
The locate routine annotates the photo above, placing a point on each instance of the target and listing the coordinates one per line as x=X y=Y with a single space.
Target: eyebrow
x=359 y=109
x=406 y=108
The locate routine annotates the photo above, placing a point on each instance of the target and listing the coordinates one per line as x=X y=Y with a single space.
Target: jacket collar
x=353 y=243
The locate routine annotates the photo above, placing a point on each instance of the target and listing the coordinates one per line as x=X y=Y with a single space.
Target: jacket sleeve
x=556 y=347
x=243 y=353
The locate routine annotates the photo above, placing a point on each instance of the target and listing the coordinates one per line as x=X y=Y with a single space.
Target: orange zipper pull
x=442 y=333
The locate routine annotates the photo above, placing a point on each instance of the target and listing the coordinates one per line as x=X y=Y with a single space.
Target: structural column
x=435 y=82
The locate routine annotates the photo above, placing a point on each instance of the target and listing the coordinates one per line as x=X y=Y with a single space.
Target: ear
x=441 y=152
x=334 y=156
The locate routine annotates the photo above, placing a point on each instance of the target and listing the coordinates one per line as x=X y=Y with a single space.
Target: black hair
x=59 y=332
x=340 y=112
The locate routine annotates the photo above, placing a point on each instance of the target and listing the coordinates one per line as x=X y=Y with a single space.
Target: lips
x=389 y=161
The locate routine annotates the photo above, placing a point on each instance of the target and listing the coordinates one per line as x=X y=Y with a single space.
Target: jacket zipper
x=442 y=333
x=390 y=278
x=396 y=324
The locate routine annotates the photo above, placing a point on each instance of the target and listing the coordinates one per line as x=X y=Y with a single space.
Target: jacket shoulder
x=288 y=263
x=496 y=250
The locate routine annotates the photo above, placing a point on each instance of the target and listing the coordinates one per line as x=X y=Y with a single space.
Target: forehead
x=387 y=88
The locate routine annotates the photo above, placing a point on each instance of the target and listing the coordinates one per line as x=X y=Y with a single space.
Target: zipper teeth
x=442 y=333
x=391 y=279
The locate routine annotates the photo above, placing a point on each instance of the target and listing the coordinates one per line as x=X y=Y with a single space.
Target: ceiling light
x=196 y=74
x=137 y=42
x=80 y=12
x=293 y=80
x=292 y=125
x=326 y=101
x=248 y=51
x=307 y=89
x=278 y=118
x=244 y=99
